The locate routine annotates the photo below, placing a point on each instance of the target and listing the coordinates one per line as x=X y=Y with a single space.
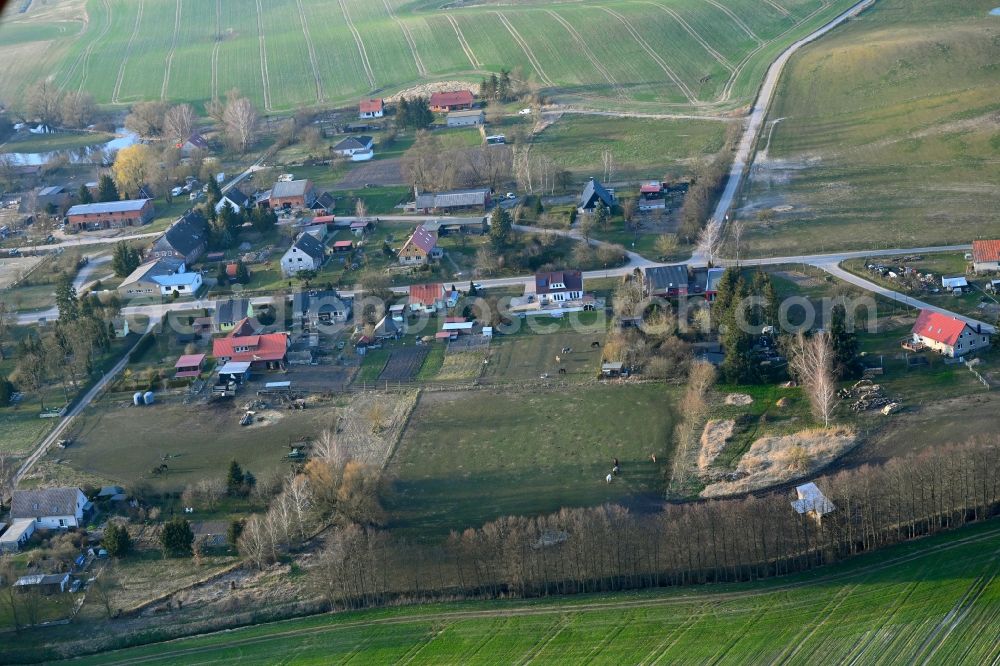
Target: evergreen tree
x=737 y=342
x=725 y=291
x=177 y=537
x=500 y=228
x=106 y=189
x=263 y=220
x=845 y=344
x=234 y=532
x=84 y=195
x=601 y=215
x=419 y=114
x=234 y=480
x=66 y=298
x=214 y=195
x=472 y=289
x=771 y=304
x=402 y=113
x=539 y=209
x=116 y=540
x=504 y=87
x=242 y=273
x=125 y=259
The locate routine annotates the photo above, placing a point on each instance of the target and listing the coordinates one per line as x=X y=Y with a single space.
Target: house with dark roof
x=235 y=199
x=451 y=100
x=358 y=148
x=186 y=239
x=50 y=508
x=667 y=281
x=986 y=256
x=420 y=248
x=110 y=214
x=194 y=142
x=230 y=312
x=324 y=203
x=558 y=286
x=593 y=192
x=947 y=335
x=371 y=108
x=311 y=309
x=307 y=253
x=292 y=194
x=477 y=198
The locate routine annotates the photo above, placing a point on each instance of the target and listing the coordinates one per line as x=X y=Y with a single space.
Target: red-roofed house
x=268 y=350
x=371 y=108
x=420 y=248
x=948 y=335
x=452 y=100
x=427 y=297
x=986 y=255
x=189 y=365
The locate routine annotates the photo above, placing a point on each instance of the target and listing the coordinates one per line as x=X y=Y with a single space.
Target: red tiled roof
x=445 y=335
x=267 y=347
x=938 y=327
x=425 y=294
x=986 y=250
x=322 y=219
x=425 y=240
x=344 y=243
x=370 y=105
x=451 y=98
x=189 y=361
x=650 y=188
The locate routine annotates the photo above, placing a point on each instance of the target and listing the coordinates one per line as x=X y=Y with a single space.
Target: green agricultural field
x=467 y=458
x=686 y=54
x=933 y=601
x=887 y=136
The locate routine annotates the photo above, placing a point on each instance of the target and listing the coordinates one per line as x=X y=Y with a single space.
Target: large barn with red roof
x=986 y=256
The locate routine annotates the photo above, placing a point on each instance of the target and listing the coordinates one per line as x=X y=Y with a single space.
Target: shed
x=612 y=369
x=954 y=282
x=46 y=583
x=343 y=246
x=17 y=535
x=189 y=365
x=471 y=118
x=812 y=502
x=235 y=371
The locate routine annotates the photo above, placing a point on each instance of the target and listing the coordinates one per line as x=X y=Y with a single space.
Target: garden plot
x=403 y=364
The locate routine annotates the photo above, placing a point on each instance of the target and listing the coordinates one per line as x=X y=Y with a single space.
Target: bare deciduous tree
x=240 y=121
x=710 y=242
x=178 y=123
x=812 y=359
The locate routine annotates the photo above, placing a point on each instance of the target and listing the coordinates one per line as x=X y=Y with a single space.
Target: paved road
x=755 y=121
x=27 y=318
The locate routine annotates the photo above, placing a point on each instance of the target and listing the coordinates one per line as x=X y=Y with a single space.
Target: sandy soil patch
x=777 y=459
x=713 y=439
x=799 y=278
x=738 y=399
x=426 y=89
x=12 y=269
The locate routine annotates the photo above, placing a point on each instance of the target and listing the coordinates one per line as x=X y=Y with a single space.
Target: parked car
x=510 y=195
x=524 y=112
x=177 y=191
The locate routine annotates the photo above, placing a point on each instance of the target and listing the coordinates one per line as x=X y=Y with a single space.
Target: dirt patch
x=266 y=417
x=799 y=278
x=426 y=89
x=376 y=172
x=713 y=439
x=403 y=363
x=738 y=399
x=777 y=459
x=11 y=270
x=371 y=423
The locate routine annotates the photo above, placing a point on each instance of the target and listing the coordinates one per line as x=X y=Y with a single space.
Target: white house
x=51 y=508
x=558 y=286
x=235 y=199
x=358 y=148
x=371 y=108
x=306 y=254
x=947 y=335
x=185 y=284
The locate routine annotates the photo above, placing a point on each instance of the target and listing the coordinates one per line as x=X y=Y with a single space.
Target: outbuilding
x=189 y=365
x=470 y=118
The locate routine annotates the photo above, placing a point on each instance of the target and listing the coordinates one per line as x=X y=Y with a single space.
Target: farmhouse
x=429 y=298
x=292 y=194
x=193 y=143
x=454 y=100
x=666 y=281
x=420 y=248
x=371 y=108
x=44 y=583
x=947 y=335
x=986 y=256
x=186 y=239
x=17 y=535
x=110 y=214
x=306 y=254
x=189 y=365
x=235 y=199
x=558 y=286
x=314 y=308
x=51 y=508
x=457 y=199
x=267 y=350
x=182 y=284
x=470 y=118
x=593 y=192
x=358 y=148
x=231 y=312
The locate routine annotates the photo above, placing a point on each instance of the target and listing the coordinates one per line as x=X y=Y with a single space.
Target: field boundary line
x=655 y=56
x=215 y=49
x=264 y=77
x=128 y=52
x=594 y=60
x=464 y=44
x=408 y=36
x=361 y=45
x=722 y=60
x=313 y=60
x=170 y=56
x=736 y=19
x=526 y=48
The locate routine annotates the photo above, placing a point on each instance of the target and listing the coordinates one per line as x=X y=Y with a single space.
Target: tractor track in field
x=778 y=8
x=527 y=50
x=408 y=36
x=594 y=60
x=865 y=640
x=528 y=610
x=361 y=45
x=655 y=57
x=803 y=636
x=128 y=52
x=85 y=58
x=671 y=639
x=313 y=60
x=721 y=59
x=215 y=49
x=736 y=19
x=170 y=55
x=86 y=26
x=264 y=77
x=464 y=44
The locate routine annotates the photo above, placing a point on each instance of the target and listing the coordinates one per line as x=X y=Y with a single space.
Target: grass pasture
x=290 y=53
x=888 y=135
x=932 y=601
x=470 y=457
